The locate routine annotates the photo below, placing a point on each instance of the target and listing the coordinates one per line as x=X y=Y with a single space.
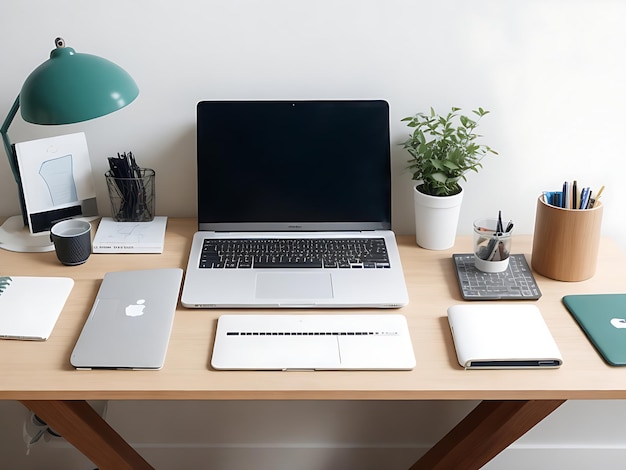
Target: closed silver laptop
x=130 y=322
x=294 y=207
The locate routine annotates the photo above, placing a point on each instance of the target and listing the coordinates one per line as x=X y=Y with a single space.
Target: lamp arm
x=11 y=156
x=7 y=143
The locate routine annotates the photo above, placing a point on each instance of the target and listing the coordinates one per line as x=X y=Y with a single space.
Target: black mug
x=72 y=241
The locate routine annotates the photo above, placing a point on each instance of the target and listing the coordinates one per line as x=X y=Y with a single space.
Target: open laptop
x=603 y=319
x=294 y=172
x=31 y=317
x=313 y=342
x=130 y=322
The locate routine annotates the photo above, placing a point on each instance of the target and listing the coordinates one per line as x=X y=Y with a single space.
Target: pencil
x=599 y=192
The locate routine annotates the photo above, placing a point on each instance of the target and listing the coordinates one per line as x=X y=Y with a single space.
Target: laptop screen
x=293 y=165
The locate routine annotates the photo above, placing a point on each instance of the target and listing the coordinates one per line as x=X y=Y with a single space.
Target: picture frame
x=56 y=179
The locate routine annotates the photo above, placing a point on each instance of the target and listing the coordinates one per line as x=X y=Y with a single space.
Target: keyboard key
x=288 y=264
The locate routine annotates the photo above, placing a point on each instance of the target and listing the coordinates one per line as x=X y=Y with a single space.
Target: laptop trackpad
x=296 y=285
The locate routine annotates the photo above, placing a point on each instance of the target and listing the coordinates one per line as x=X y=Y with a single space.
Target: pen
x=499 y=244
x=494 y=250
x=593 y=201
x=495 y=244
x=575 y=195
x=584 y=194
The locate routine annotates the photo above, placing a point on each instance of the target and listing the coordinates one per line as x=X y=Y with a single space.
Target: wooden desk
x=41 y=377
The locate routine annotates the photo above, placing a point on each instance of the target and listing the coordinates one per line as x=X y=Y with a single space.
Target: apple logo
x=136 y=310
x=618 y=322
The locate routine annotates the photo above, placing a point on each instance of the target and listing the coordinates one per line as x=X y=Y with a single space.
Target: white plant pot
x=436 y=219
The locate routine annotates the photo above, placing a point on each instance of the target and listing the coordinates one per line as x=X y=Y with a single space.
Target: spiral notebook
x=31 y=317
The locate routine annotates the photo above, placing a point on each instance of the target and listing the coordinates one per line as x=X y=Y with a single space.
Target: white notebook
x=30 y=306
x=502 y=336
x=130 y=237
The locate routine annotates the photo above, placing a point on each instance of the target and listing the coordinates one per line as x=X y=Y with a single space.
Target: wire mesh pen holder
x=132 y=199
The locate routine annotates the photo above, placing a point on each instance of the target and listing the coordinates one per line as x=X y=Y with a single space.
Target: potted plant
x=443 y=149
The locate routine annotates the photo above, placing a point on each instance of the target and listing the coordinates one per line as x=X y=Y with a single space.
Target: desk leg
x=489 y=429
x=82 y=427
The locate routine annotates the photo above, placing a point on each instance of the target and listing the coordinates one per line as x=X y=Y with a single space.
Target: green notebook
x=603 y=319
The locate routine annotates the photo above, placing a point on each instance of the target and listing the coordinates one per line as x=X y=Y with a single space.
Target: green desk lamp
x=69 y=87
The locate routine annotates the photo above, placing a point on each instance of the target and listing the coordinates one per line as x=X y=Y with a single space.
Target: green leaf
x=439 y=177
x=444 y=148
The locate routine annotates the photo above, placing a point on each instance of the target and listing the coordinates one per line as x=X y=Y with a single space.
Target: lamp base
x=14 y=236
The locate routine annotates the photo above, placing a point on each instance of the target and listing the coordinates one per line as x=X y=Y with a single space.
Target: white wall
x=550 y=71
x=328 y=435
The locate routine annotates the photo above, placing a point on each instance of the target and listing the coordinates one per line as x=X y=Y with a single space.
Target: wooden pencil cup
x=566 y=241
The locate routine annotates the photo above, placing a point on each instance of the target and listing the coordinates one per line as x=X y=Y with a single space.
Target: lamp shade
x=73 y=87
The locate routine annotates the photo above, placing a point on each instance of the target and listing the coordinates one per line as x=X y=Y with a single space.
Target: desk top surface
x=41 y=370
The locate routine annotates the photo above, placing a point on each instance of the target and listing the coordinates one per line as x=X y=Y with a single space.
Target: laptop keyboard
x=515 y=283
x=332 y=253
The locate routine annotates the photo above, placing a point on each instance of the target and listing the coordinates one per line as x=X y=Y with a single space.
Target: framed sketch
x=56 y=180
